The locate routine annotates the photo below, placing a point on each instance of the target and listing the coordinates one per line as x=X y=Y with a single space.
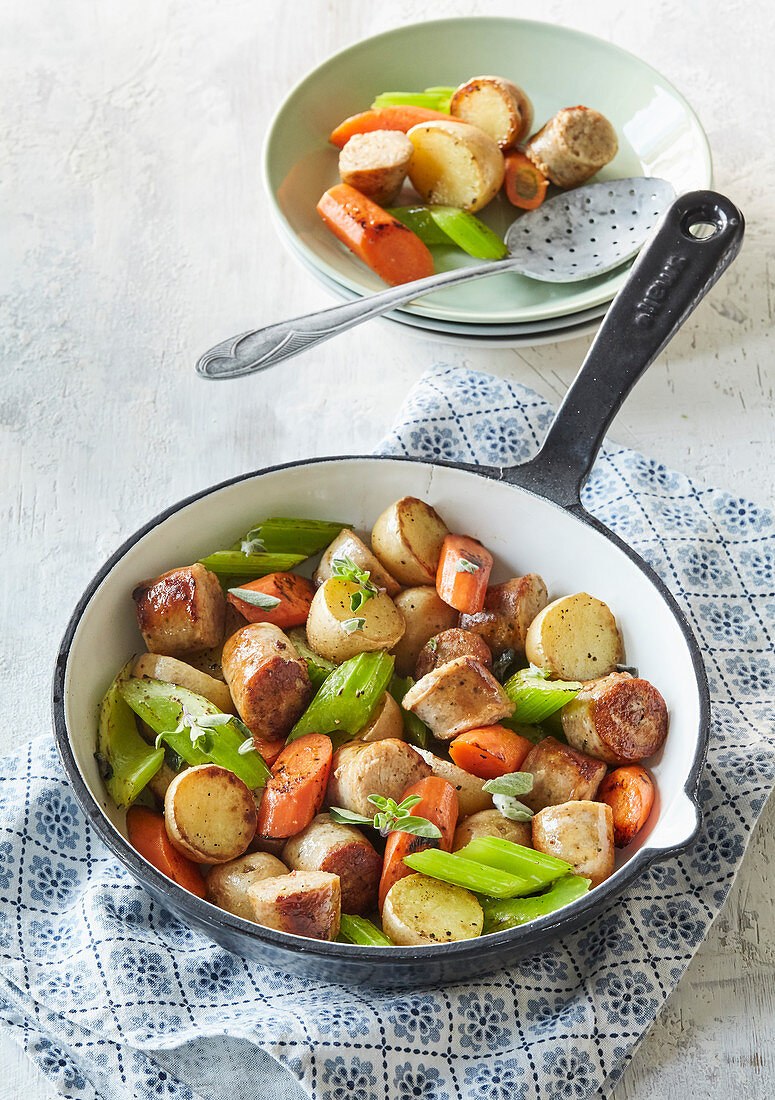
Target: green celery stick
x=419 y=220
x=125 y=760
x=469 y=233
x=346 y=701
x=535 y=867
x=417 y=733
x=535 y=698
x=499 y=915
x=237 y=568
x=450 y=867
x=160 y=705
x=285 y=535
x=435 y=99
x=361 y=931
x=319 y=668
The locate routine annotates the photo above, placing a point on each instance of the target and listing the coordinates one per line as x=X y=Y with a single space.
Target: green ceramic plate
x=659 y=135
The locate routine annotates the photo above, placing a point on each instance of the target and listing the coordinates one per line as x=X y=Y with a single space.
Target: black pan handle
x=670 y=277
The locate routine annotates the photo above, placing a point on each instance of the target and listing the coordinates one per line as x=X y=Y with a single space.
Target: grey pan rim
x=221 y=925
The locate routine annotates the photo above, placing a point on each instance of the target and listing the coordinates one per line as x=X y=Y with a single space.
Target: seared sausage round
x=509 y=609
x=306 y=903
x=267 y=679
x=385 y=767
x=573 y=145
x=581 y=833
x=618 y=719
x=447 y=646
x=560 y=774
x=228 y=884
x=341 y=850
x=458 y=696
x=181 y=612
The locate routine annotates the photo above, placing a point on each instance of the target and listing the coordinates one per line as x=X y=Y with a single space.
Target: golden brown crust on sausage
x=340 y=850
x=509 y=609
x=180 y=612
x=458 y=696
x=447 y=646
x=304 y=903
x=619 y=719
x=560 y=774
x=269 y=682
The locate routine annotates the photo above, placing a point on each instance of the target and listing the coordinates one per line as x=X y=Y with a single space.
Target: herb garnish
x=351 y=625
x=391 y=817
x=252 y=545
x=505 y=790
x=255 y=599
x=466 y=566
x=198 y=728
x=346 y=568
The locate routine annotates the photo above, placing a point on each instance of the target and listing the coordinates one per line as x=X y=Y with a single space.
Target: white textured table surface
x=135 y=234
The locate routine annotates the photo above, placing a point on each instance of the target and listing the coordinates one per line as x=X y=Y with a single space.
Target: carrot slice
x=463 y=573
x=402 y=117
x=269 y=749
x=384 y=244
x=525 y=184
x=148 y=836
x=294 y=593
x=630 y=794
x=438 y=803
x=297 y=786
x=489 y=751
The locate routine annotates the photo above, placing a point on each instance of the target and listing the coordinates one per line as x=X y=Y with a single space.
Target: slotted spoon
x=574 y=236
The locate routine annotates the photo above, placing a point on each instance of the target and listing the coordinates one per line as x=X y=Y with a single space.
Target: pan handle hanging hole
x=703 y=223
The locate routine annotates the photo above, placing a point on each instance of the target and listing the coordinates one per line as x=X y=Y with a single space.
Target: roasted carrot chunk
x=402 y=118
x=630 y=794
x=489 y=751
x=294 y=593
x=297 y=787
x=525 y=185
x=463 y=573
x=438 y=803
x=148 y=836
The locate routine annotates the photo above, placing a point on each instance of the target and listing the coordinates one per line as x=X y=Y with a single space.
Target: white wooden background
x=135 y=234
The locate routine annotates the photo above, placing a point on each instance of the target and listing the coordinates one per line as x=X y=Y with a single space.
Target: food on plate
x=401 y=117
x=575 y=638
x=572 y=146
x=524 y=184
x=580 y=832
x=436 y=98
x=376 y=164
x=497 y=106
x=448 y=225
x=383 y=243
x=455 y=164
x=333 y=796
x=619 y=718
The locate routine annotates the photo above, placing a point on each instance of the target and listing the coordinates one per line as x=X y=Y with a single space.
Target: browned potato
x=267 y=679
x=209 y=813
x=376 y=164
x=228 y=885
x=421 y=910
x=458 y=696
x=572 y=146
x=330 y=629
x=425 y=614
x=387 y=721
x=455 y=164
x=348 y=545
x=560 y=774
x=491 y=823
x=496 y=106
x=618 y=719
x=152 y=666
x=304 y=903
x=575 y=638
x=471 y=795
x=448 y=646
x=382 y=767
x=509 y=609
x=581 y=833
x=407 y=538
x=180 y=612
x=341 y=850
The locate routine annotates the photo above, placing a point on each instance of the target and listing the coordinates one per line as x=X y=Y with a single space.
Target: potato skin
x=383 y=624
x=560 y=774
x=447 y=646
x=425 y=614
x=347 y=544
x=384 y=767
x=340 y=850
x=228 y=884
x=421 y=910
x=407 y=538
x=580 y=832
x=473 y=102
x=180 y=612
x=471 y=796
x=459 y=696
x=304 y=903
x=576 y=638
x=268 y=681
x=491 y=823
x=509 y=609
x=455 y=164
x=387 y=722
x=618 y=719
x=154 y=666
x=209 y=813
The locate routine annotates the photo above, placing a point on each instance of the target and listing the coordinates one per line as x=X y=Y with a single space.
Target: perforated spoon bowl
x=574 y=236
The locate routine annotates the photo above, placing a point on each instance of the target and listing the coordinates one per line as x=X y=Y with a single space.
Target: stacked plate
x=659 y=135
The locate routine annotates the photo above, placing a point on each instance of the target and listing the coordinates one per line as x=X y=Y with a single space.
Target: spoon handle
x=264 y=347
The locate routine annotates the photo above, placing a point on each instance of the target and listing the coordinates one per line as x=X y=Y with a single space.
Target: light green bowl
x=659 y=135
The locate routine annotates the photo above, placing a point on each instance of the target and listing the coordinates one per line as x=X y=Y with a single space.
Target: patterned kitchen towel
x=113 y=997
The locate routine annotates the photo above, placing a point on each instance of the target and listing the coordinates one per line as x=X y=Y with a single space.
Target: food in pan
x=459 y=148
x=395 y=751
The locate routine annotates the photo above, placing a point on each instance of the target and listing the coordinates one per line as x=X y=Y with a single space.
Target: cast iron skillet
x=531 y=517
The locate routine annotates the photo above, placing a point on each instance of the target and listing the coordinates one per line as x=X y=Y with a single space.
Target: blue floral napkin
x=113 y=997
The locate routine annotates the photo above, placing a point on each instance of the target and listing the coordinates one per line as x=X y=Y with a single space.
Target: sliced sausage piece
x=425 y=614
x=458 y=696
x=492 y=823
x=471 y=795
x=376 y=164
x=384 y=767
x=509 y=609
x=181 y=612
x=560 y=774
x=581 y=833
x=340 y=850
x=573 y=145
x=618 y=719
x=228 y=885
x=447 y=646
x=304 y=903
x=348 y=545
x=268 y=681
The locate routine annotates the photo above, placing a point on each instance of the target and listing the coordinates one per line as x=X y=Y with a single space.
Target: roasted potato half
x=153 y=666
x=387 y=721
x=425 y=615
x=497 y=106
x=348 y=545
x=455 y=164
x=330 y=628
x=228 y=885
x=491 y=823
x=575 y=638
x=420 y=910
x=407 y=538
x=209 y=814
